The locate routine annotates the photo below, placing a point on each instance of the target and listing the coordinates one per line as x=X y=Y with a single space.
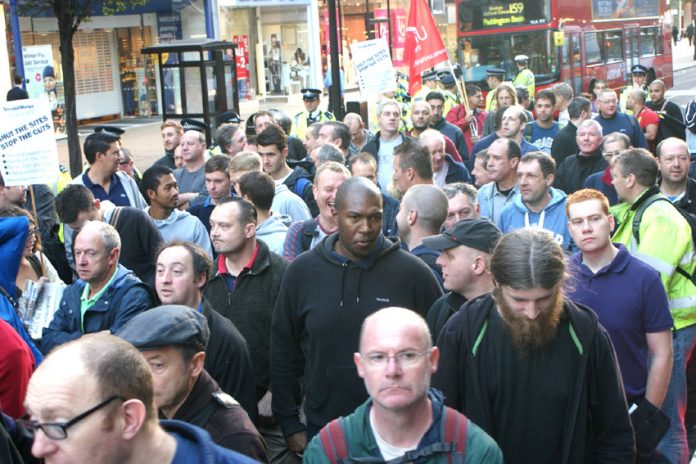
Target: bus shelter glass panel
x=194 y=98
x=172 y=90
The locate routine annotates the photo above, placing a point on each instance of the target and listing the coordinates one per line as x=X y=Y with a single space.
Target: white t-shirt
x=388 y=451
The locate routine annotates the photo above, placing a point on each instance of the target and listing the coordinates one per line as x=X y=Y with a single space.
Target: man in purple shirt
x=631 y=303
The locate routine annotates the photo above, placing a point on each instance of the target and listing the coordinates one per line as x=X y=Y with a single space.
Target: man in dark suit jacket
x=17 y=92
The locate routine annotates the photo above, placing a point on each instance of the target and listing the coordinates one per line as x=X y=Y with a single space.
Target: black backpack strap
x=309 y=231
x=640 y=209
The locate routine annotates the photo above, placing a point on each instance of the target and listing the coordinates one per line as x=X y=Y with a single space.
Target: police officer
x=311 y=114
x=450 y=92
x=173 y=340
x=525 y=76
x=639 y=77
x=110 y=130
x=494 y=77
x=199 y=126
x=431 y=81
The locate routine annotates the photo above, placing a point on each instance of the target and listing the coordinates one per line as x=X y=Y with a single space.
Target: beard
x=531 y=335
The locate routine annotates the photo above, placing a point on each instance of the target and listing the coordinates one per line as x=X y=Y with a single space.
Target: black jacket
x=456 y=172
x=671 y=120
x=322 y=304
x=440 y=312
x=372 y=147
x=565 y=143
x=572 y=173
x=250 y=306
x=228 y=361
x=597 y=429
x=17 y=93
x=226 y=422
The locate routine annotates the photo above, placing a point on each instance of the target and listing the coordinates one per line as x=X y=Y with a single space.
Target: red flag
x=424 y=47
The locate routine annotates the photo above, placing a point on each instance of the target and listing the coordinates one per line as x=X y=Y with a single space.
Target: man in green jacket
x=403 y=418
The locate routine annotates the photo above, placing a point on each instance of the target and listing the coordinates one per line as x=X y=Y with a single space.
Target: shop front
x=278 y=45
x=112 y=77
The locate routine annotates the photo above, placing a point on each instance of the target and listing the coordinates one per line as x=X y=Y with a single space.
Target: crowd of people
x=508 y=279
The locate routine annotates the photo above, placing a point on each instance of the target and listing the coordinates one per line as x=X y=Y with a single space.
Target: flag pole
x=461 y=85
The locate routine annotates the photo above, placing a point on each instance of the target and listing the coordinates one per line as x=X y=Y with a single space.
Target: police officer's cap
x=446 y=78
x=167 y=325
x=110 y=130
x=521 y=58
x=229 y=117
x=430 y=75
x=495 y=72
x=310 y=94
x=193 y=124
x=639 y=69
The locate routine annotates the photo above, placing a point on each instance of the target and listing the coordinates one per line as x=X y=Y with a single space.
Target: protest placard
x=28 y=151
x=373 y=67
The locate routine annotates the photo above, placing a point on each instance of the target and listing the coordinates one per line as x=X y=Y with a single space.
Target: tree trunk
x=67 y=56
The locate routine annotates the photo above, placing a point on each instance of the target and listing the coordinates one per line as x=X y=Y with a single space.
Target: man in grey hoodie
x=161 y=189
x=259 y=188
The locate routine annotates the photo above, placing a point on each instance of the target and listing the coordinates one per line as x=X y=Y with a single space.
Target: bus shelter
x=198 y=80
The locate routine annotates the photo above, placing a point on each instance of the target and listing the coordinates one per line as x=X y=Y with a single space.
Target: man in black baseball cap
x=173 y=340
x=465 y=250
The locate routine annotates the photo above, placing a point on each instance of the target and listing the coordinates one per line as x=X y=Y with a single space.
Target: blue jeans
x=674 y=445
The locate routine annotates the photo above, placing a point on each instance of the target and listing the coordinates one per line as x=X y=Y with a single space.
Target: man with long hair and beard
x=534 y=370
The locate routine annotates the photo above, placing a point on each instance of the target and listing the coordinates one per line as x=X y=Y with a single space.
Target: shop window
x=93 y=62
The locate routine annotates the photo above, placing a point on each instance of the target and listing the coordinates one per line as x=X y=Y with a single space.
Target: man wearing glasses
x=91 y=400
x=403 y=418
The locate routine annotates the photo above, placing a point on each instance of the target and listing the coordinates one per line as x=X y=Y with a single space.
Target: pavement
x=142 y=135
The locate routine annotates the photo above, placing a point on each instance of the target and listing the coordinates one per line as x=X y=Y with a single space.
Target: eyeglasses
x=405 y=359
x=59 y=430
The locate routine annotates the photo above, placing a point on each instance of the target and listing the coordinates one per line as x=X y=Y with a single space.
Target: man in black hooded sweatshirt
x=316 y=322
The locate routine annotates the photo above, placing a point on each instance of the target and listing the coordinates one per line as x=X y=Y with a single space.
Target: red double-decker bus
x=571 y=41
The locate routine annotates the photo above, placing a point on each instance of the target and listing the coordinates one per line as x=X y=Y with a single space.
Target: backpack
x=300 y=185
x=690 y=117
x=690 y=218
x=453 y=430
x=309 y=231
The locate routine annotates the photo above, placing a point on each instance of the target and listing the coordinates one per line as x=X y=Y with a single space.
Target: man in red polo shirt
x=244 y=290
x=649 y=120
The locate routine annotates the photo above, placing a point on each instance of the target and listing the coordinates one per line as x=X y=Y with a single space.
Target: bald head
x=395 y=318
x=356 y=187
x=430 y=204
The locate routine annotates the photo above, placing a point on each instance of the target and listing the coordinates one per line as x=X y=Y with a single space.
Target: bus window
x=647 y=41
x=658 y=42
x=612 y=46
x=593 y=54
x=478 y=53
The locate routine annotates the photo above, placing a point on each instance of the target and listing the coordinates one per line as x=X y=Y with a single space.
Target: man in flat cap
x=102 y=177
x=311 y=114
x=173 y=340
x=465 y=251
x=525 y=76
x=494 y=77
x=182 y=270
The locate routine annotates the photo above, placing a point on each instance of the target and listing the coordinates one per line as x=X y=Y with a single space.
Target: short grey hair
x=455 y=188
x=109 y=234
x=386 y=103
x=591 y=123
x=328 y=152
